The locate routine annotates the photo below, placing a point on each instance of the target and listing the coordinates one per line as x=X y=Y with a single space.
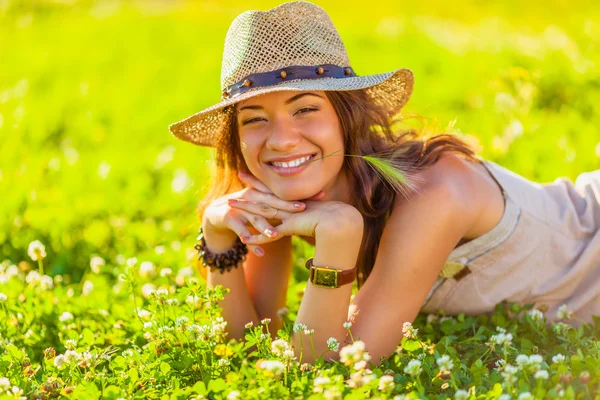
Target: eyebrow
x=288 y=101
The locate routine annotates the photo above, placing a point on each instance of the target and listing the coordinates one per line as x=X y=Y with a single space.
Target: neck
x=338 y=189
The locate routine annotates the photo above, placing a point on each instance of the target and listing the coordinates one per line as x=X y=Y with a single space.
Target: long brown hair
x=367 y=128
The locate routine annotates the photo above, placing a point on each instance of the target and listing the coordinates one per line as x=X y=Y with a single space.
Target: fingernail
x=269 y=232
x=232 y=200
x=259 y=251
x=298 y=205
x=244 y=239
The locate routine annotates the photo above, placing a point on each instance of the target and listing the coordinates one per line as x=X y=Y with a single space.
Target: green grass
x=88 y=167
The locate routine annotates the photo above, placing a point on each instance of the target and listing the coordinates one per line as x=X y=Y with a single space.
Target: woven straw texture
x=294 y=33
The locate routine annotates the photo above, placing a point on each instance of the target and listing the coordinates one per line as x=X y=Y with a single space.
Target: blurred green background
x=88 y=88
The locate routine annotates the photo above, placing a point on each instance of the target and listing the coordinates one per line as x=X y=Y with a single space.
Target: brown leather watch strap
x=344 y=276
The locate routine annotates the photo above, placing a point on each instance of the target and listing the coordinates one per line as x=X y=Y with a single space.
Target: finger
x=253 y=182
x=262 y=209
x=238 y=226
x=258 y=222
x=282 y=230
x=273 y=201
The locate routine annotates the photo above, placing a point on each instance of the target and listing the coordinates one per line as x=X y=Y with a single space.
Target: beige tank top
x=545 y=250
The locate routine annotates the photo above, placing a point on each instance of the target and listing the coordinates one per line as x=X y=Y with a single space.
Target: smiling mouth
x=288 y=165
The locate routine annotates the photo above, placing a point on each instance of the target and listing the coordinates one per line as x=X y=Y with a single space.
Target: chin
x=293 y=194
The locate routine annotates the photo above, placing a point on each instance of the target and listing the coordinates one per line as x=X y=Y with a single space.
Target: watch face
x=325 y=277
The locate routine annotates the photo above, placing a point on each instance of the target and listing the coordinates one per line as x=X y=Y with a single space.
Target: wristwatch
x=329 y=277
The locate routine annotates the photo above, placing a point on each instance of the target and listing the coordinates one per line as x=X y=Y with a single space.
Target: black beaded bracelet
x=220 y=261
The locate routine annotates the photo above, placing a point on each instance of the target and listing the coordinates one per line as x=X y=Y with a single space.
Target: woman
x=462 y=235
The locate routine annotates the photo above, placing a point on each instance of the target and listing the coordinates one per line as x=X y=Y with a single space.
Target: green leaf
x=165 y=368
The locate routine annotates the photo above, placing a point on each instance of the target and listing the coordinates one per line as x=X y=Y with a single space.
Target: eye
x=249 y=121
x=306 y=108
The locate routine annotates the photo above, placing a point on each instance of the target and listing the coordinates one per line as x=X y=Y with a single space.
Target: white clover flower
x=249 y=325
x=223 y=362
x=275 y=367
x=541 y=374
x=386 y=383
x=148 y=289
x=181 y=321
x=71 y=356
x=564 y=313
x=558 y=359
x=264 y=336
x=4 y=384
x=127 y=353
x=522 y=360
x=144 y=314
x=59 y=361
x=333 y=344
x=279 y=346
x=36 y=250
x=299 y=327
x=71 y=344
x=233 y=395
x=502 y=339
x=265 y=321
x=347 y=325
x=289 y=354
x=162 y=292
x=354 y=353
x=193 y=300
x=526 y=396
x=445 y=363
x=461 y=395
x=500 y=364
x=409 y=331
x=413 y=368
x=131 y=261
x=504 y=396
x=46 y=282
x=536 y=315
x=3 y=297
x=148 y=325
x=509 y=373
x=96 y=263
x=319 y=382
x=172 y=302
x=66 y=316
x=88 y=286
x=166 y=272
x=147 y=269
x=183 y=274
x=309 y=331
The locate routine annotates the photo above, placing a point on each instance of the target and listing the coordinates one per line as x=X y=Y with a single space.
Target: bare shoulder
x=448 y=185
x=459 y=187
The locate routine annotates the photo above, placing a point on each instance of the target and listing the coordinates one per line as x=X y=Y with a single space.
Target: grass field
x=88 y=167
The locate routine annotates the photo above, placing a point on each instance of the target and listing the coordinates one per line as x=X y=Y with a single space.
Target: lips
x=289 y=171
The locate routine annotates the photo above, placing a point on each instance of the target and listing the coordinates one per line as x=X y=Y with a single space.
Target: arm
x=258 y=287
x=416 y=242
x=325 y=309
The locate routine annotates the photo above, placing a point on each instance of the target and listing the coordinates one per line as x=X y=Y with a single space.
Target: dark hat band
x=287 y=74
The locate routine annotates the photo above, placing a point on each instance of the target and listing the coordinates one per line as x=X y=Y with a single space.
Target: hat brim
x=390 y=89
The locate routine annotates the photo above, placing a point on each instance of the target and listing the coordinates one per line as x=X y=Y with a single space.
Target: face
x=279 y=129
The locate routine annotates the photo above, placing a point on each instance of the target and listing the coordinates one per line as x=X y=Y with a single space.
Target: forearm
x=268 y=277
x=326 y=309
x=238 y=308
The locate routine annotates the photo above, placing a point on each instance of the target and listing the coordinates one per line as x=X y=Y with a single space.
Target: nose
x=283 y=136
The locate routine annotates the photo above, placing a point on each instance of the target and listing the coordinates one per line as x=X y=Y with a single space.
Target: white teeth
x=293 y=163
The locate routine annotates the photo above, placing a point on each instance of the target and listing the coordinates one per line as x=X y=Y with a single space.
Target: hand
x=221 y=220
x=304 y=223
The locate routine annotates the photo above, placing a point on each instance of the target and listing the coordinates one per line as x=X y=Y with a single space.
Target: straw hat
x=294 y=46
